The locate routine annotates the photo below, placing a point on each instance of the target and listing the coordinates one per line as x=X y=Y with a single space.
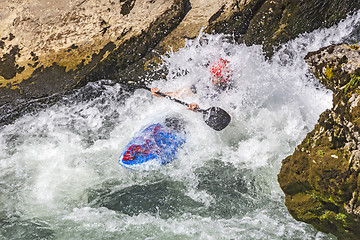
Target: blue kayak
x=154 y=145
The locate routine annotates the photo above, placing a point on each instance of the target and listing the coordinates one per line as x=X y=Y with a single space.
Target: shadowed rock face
x=271 y=23
x=321 y=179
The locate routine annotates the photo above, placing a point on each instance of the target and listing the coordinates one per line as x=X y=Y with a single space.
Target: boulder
x=48 y=47
x=321 y=178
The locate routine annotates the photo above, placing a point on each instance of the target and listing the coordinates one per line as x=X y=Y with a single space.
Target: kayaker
x=221 y=74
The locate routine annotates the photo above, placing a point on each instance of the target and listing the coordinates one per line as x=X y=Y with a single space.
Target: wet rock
x=271 y=23
x=334 y=65
x=49 y=47
x=321 y=178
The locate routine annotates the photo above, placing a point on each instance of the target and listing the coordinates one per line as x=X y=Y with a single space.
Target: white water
x=58 y=168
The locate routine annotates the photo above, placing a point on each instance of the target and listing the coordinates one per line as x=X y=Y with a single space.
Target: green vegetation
x=329 y=73
x=341 y=217
x=353 y=83
x=355 y=46
x=320 y=153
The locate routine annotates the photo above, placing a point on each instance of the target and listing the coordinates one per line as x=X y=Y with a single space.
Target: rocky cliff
x=321 y=179
x=271 y=23
x=48 y=47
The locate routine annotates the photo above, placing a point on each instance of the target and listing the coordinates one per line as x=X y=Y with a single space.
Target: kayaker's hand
x=153 y=92
x=193 y=106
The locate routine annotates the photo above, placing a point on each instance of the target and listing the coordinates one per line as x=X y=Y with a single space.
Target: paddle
x=215 y=117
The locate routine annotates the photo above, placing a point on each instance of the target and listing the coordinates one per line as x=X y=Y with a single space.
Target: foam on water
x=60 y=178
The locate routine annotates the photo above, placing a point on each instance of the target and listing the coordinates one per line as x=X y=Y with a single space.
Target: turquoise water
x=60 y=179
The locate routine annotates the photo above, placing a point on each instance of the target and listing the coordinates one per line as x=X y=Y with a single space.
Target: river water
x=60 y=179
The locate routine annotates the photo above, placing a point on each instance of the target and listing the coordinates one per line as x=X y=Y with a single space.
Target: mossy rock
x=321 y=178
x=318 y=183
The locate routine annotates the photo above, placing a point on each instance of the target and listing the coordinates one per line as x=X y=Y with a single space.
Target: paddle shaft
x=174 y=99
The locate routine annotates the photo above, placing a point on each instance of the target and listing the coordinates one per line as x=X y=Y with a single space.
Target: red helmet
x=221 y=68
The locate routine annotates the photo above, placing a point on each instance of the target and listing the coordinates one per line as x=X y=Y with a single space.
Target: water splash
x=60 y=178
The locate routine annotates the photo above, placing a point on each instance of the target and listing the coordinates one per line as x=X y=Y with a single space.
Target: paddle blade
x=216 y=118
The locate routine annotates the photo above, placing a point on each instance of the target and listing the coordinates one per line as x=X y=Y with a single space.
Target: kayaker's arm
x=178 y=94
x=193 y=107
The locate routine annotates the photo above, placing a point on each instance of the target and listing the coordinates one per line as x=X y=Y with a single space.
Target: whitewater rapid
x=59 y=171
